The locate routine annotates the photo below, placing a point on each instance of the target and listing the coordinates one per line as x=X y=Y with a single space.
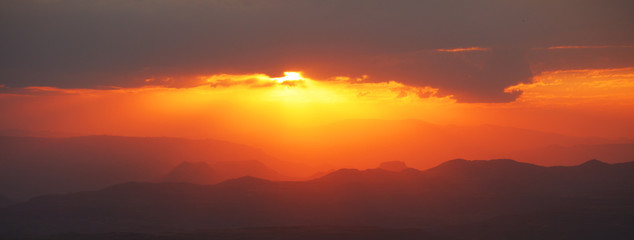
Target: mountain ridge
x=374 y=197
x=90 y=162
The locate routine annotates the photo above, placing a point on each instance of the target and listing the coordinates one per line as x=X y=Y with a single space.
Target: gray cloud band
x=120 y=43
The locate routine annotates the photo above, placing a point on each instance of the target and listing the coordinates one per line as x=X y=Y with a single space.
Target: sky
x=234 y=69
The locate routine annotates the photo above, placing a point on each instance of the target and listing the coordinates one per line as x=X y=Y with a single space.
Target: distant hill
x=455 y=193
x=192 y=172
x=394 y=166
x=364 y=143
x=203 y=173
x=264 y=233
x=33 y=166
x=576 y=154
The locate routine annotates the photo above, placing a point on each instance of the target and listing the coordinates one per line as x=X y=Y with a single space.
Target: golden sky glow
x=293 y=101
x=324 y=81
x=287 y=112
x=206 y=111
x=289 y=76
x=293 y=87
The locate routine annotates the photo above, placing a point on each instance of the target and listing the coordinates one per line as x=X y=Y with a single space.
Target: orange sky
x=303 y=120
x=592 y=102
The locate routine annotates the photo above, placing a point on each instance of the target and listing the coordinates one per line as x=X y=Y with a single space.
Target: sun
x=289 y=76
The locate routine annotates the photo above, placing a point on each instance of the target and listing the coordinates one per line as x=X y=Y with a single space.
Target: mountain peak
x=594 y=163
x=343 y=173
x=192 y=172
x=393 y=166
x=501 y=165
x=453 y=163
x=462 y=162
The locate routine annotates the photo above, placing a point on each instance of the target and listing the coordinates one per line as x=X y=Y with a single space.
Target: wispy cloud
x=463 y=49
x=584 y=47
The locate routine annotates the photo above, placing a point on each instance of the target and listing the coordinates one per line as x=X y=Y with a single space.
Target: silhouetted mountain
x=460 y=169
x=394 y=166
x=319 y=175
x=264 y=233
x=34 y=166
x=203 y=173
x=365 y=143
x=576 y=154
x=188 y=172
x=235 y=169
x=594 y=164
x=455 y=193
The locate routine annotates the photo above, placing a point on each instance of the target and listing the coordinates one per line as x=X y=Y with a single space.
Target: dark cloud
x=97 y=43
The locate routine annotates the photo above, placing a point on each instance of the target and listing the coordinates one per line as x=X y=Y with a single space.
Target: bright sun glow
x=289 y=76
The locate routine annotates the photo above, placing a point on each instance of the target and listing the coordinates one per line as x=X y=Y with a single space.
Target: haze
x=294 y=94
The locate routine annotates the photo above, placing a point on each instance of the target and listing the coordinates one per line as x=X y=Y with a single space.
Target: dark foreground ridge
x=262 y=233
x=459 y=199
